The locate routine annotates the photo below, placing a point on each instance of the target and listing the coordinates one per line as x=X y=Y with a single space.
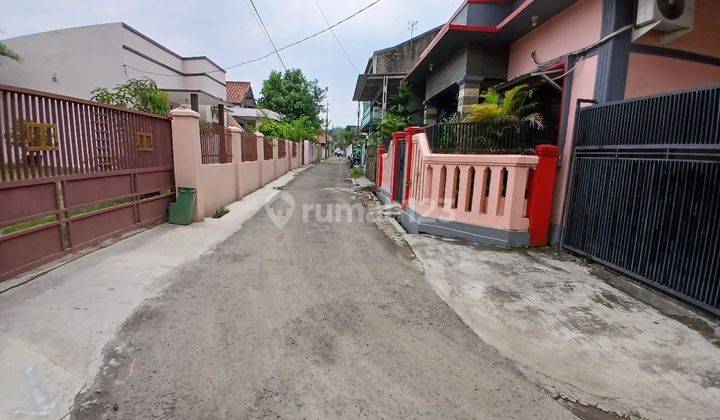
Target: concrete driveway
x=572 y=332
x=317 y=319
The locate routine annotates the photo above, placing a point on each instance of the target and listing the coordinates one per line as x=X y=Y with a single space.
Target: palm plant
x=5 y=51
x=513 y=109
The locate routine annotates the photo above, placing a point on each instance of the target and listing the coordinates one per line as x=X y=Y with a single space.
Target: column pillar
x=431 y=114
x=468 y=96
x=236 y=141
x=187 y=157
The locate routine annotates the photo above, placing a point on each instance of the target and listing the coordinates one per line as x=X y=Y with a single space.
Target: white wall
x=86 y=57
x=80 y=58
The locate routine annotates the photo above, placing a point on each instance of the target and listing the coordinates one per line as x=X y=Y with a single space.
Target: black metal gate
x=644 y=192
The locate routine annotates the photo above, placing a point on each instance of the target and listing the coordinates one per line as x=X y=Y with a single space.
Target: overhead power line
x=264 y=28
x=292 y=44
x=300 y=41
x=336 y=38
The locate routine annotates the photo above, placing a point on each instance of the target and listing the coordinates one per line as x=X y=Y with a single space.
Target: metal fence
x=282 y=152
x=75 y=172
x=215 y=143
x=371 y=162
x=480 y=138
x=45 y=135
x=249 y=152
x=644 y=192
x=267 y=149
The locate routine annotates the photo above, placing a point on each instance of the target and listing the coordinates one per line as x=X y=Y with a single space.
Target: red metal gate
x=75 y=172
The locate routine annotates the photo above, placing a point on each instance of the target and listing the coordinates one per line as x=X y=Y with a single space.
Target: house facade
x=566 y=50
x=624 y=171
x=75 y=61
x=383 y=74
x=243 y=107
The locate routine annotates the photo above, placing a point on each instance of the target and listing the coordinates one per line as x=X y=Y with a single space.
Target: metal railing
x=249 y=149
x=215 y=143
x=282 y=151
x=480 y=138
x=44 y=135
x=267 y=149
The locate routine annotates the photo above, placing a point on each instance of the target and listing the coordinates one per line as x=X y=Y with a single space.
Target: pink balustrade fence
x=502 y=192
x=75 y=172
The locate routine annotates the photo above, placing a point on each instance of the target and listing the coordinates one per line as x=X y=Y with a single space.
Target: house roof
x=520 y=18
x=237 y=91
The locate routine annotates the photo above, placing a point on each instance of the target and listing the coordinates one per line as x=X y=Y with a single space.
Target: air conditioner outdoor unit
x=673 y=18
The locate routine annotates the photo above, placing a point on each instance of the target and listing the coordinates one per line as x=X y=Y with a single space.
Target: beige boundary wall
x=222 y=183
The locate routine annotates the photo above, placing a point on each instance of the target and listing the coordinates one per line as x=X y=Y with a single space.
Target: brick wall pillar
x=468 y=96
x=236 y=136
x=187 y=157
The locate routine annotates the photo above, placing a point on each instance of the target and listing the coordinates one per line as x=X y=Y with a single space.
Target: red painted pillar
x=409 y=133
x=379 y=170
x=398 y=137
x=540 y=199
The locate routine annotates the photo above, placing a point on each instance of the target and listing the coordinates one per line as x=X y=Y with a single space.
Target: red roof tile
x=237 y=91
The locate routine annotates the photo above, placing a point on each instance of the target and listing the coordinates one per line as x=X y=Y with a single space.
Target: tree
x=298 y=130
x=346 y=136
x=294 y=96
x=399 y=114
x=5 y=51
x=138 y=94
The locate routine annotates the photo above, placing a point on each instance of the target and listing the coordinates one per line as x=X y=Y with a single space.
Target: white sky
x=227 y=33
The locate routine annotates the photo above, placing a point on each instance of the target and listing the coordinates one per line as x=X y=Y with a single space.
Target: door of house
x=399 y=178
x=644 y=192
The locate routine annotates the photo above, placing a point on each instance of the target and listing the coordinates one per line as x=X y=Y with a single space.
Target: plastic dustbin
x=181 y=211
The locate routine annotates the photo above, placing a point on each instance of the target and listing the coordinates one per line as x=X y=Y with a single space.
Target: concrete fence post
x=236 y=141
x=261 y=156
x=542 y=187
x=187 y=157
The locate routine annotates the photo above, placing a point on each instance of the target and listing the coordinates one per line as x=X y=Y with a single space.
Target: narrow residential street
x=316 y=319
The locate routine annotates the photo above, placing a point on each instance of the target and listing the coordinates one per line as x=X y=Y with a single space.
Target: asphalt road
x=318 y=319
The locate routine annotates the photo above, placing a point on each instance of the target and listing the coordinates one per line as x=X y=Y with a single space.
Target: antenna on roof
x=412 y=25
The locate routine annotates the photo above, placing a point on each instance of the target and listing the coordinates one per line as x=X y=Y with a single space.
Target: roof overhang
x=369 y=87
x=254 y=113
x=535 y=79
x=182 y=96
x=518 y=23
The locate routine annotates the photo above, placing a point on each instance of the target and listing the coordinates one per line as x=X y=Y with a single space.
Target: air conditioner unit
x=673 y=18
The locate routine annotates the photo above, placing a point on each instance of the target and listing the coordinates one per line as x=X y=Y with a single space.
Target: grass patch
x=356 y=172
x=99 y=206
x=220 y=213
x=27 y=224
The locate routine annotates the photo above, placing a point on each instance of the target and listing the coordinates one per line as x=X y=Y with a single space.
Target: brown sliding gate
x=75 y=172
x=644 y=194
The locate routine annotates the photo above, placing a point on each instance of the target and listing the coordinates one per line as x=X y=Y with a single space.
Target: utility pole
x=327 y=121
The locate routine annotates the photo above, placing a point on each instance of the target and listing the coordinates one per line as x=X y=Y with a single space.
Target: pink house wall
x=267 y=167
x=583 y=87
x=575 y=28
x=668 y=75
x=219 y=184
x=673 y=74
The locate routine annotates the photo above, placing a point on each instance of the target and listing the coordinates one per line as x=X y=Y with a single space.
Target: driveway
x=570 y=328
x=317 y=319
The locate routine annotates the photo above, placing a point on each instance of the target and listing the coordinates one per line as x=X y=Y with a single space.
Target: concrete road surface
x=317 y=319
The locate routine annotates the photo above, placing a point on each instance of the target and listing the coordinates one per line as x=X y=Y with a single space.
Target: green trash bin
x=181 y=211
